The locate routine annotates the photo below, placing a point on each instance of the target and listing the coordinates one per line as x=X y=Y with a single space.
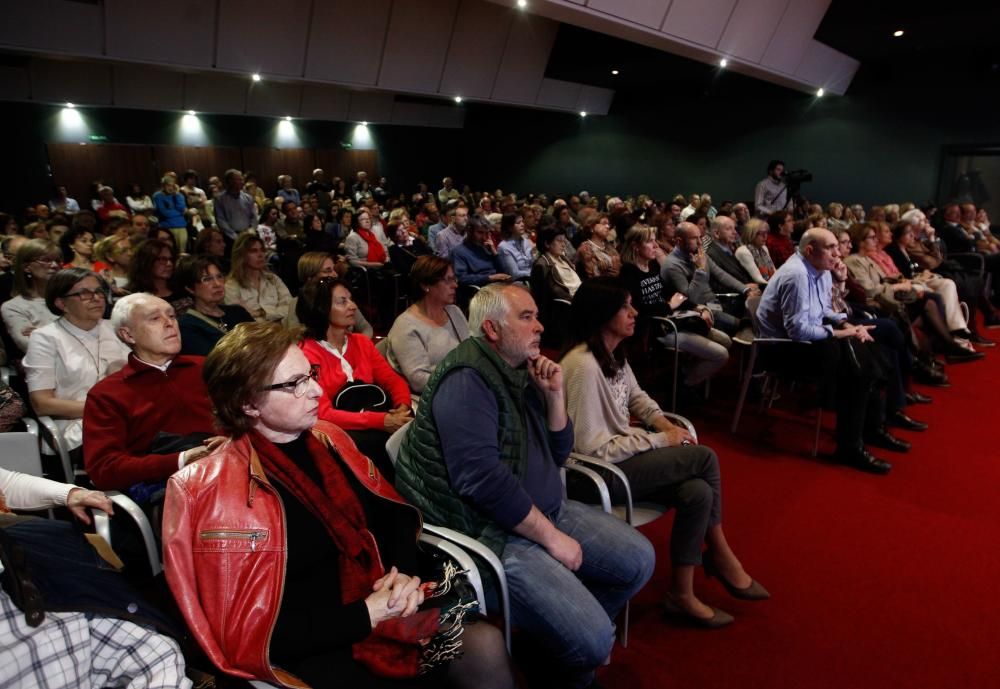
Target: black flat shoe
x=917 y=398
x=981 y=341
x=901 y=420
x=957 y=355
x=863 y=460
x=882 y=438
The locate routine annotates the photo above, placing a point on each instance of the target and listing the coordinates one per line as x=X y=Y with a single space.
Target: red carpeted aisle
x=875 y=581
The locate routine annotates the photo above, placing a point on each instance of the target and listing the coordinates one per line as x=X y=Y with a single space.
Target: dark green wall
x=869 y=150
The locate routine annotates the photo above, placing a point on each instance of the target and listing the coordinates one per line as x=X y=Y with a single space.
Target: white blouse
x=70 y=361
x=20 y=313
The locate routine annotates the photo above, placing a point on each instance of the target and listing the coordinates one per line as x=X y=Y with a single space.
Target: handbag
x=358 y=396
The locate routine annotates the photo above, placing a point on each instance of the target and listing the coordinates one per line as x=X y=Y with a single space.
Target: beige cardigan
x=870 y=278
x=600 y=426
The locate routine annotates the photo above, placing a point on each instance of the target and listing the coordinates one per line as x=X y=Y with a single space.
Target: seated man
x=483 y=457
x=688 y=270
x=157 y=392
x=797 y=305
x=475 y=260
x=722 y=253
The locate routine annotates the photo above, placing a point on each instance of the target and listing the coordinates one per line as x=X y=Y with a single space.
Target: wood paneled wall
x=118 y=165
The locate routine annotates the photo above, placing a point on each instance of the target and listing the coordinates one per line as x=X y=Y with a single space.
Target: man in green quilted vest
x=483 y=457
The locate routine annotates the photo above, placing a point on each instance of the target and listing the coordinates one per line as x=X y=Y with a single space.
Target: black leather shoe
x=862 y=459
x=901 y=420
x=991 y=321
x=981 y=341
x=956 y=354
x=917 y=398
x=929 y=376
x=882 y=438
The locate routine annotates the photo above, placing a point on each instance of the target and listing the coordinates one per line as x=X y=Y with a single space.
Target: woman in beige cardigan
x=662 y=463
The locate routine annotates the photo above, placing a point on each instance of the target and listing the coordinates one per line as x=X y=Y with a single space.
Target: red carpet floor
x=875 y=581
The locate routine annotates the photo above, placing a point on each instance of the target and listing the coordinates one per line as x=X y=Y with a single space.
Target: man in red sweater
x=156 y=392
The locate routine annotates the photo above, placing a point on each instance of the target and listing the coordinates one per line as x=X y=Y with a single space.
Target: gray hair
x=489 y=304
x=121 y=314
x=912 y=216
x=718 y=222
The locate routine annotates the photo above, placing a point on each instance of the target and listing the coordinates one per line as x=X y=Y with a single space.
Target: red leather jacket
x=224 y=550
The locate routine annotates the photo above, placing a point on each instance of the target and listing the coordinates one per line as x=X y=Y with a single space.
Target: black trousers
x=849 y=375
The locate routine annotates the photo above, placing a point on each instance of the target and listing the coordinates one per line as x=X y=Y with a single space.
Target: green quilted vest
x=421 y=473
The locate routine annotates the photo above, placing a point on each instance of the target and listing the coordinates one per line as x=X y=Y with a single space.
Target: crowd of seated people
x=110 y=310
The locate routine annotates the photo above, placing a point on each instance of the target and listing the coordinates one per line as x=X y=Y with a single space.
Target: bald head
x=687 y=230
x=819 y=247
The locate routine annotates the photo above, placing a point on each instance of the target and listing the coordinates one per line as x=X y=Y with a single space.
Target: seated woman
x=885 y=294
x=753 y=254
x=596 y=255
x=35 y=262
x=67 y=357
x=251 y=285
x=381 y=403
x=208 y=319
x=641 y=277
x=365 y=247
x=152 y=270
x=78 y=250
x=666 y=235
x=431 y=327
x=323 y=599
x=516 y=252
x=312 y=267
x=661 y=463
x=553 y=274
x=117 y=250
x=315 y=236
x=406 y=247
x=780 y=226
x=895 y=261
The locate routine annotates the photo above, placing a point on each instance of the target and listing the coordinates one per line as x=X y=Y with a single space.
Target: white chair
x=471 y=546
x=53 y=437
x=635 y=514
x=19 y=451
x=125 y=504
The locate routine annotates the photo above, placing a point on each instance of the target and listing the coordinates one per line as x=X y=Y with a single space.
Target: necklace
x=96 y=360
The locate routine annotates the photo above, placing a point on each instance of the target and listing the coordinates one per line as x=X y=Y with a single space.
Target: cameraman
x=772 y=193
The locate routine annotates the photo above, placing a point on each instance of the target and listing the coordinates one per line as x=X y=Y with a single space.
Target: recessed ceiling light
x=364 y=124
x=615 y=72
x=70 y=105
x=897 y=33
x=255 y=76
x=583 y=113
x=192 y=112
x=522 y=3
x=819 y=93
x=288 y=118
x=723 y=62
x=458 y=99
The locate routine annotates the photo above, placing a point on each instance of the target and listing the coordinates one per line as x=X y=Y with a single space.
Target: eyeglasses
x=88 y=294
x=298 y=385
x=449 y=280
x=206 y=279
x=48 y=259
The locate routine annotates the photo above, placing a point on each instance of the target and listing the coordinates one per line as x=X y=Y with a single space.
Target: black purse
x=359 y=396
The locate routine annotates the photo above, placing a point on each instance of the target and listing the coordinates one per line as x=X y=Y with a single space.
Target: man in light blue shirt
x=796 y=305
x=235 y=210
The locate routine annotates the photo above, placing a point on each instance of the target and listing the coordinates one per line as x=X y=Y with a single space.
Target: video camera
x=796 y=177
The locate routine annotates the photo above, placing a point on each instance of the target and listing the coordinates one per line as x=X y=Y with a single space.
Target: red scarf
x=394 y=646
x=376 y=252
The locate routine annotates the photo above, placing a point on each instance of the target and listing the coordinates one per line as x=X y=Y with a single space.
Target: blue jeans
x=571 y=613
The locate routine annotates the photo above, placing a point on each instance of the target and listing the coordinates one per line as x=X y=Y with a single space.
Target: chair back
x=752 y=304
x=19 y=452
x=395 y=442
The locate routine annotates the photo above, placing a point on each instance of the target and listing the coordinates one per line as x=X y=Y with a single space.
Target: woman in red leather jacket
x=289 y=553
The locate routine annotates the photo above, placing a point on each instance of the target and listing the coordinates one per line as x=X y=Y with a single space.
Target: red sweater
x=126 y=410
x=780 y=247
x=369 y=367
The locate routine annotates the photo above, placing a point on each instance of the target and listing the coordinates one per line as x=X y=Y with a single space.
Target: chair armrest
x=476 y=548
x=683 y=422
x=595 y=478
x=31 y=426
x=5 y=374
x=51 y=433
x=567 y=302
x=615 y=471
x=970 y=258
x=123 y=503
